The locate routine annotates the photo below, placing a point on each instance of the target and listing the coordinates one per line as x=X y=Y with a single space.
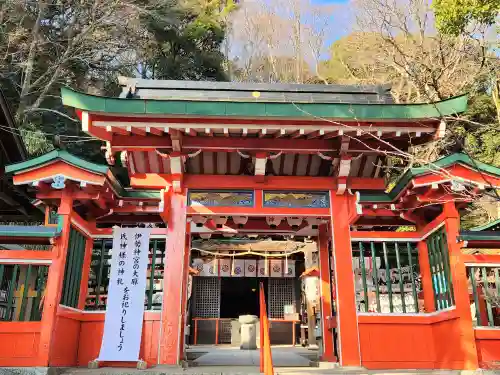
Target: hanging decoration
x=230 y=267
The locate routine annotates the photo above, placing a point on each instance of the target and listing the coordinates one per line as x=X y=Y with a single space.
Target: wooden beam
x=481 y=258
x=131 y=219
x=102 y=119
x=298 y=133
x=380 y=235
x=118 y=130
x=137 y=131
x=176 y=140
x=256 y=225
x=231 y=144
x=258 y=211
x=131 y=208
x=190 y=181
x=190 y=131
x=147 y=143
x=155 y=131
x=37 y=255
x=280 y=133
x=379 y=212
x=333 y=134
x=316 y=134
x=77 y=195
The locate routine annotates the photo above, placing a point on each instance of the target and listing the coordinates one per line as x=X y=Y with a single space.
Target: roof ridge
x=139 y=83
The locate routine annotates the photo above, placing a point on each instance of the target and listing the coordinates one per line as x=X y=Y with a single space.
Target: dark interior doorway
x=240 y=296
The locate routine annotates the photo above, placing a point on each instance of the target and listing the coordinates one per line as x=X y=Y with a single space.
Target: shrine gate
x=224 y=160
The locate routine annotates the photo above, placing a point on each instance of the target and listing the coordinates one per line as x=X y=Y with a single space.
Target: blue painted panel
x=296 y=199
x=221 y=198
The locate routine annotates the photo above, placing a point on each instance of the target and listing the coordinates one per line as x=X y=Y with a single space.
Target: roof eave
x=255 y=107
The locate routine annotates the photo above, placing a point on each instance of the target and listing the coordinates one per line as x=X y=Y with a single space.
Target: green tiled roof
x=411 y=173
x=29 y=231
x=491 y=226
x=259 y=108
x=83 y=164
x=480 y=236
x=141 y=194
x=54 y=156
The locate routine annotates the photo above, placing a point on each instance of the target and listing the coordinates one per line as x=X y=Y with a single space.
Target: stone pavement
x=250 y=370
x=281 y=357
x=229 y=370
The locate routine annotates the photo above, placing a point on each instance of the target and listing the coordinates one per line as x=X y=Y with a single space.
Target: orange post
x=266 y=358
x=326 y=297
x=195 y=331
x=460 y=287
x=187 y=252
x=425 y=271
x=53 y=288
x=483 y=314
x=216 y=331
x=173 y=279
x=261 y=326
x=342 y=207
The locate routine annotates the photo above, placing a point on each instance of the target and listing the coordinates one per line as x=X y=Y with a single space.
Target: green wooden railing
x=21 y=291
x=484 y=282
x=100 y=268
x=440 y=270
x=73 y=269
x=387 y=276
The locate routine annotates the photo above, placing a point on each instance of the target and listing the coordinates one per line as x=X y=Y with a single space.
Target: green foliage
x=473 y=216
x=485 y=145
x=188 y=47
x=86 y=45
x=479 y=133
x=454 y=16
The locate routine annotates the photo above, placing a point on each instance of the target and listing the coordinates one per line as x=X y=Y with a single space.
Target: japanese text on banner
x=127 y=285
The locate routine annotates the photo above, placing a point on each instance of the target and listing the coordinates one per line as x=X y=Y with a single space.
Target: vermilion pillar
x=326 y=297
x=187 y=252
x=171 y=322
x=55 y=278
x=342 y=208
x=425 y=272
x=460 y=287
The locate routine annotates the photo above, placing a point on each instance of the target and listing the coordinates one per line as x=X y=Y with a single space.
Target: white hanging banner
x=211 y=268
x=225 y=267
x=250 y=268
x=238 y=268
x=263 y=268
x=289 y=269
x=276 y=268
x=197 y=264
x=207 y=267
x=127 y=285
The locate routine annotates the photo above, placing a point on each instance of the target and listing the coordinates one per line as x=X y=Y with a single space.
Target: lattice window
x=281 y=293
x=206 y=297
x=224 y=331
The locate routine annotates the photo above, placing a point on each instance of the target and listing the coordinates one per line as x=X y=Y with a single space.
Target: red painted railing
x=266 y=358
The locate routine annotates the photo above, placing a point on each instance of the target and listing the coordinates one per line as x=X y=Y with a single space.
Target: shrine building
x=257 y=184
